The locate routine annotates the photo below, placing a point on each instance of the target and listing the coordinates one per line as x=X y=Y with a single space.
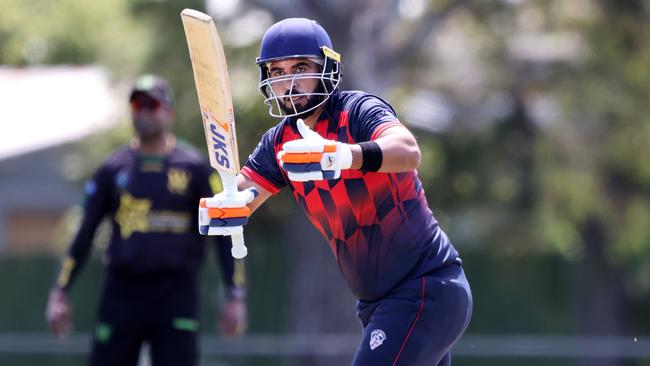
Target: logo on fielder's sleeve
x=377 y=337
x=122 y=179
x=90 y=188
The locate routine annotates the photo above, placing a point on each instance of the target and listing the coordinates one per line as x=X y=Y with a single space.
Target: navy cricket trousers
x=160 y=308
x=418 y=322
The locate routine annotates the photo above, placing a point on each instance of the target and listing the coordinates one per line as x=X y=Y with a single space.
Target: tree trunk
x=602 y=295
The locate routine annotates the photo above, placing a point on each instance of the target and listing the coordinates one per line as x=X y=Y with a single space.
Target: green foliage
x=597 y=165
x=566 y=170
x=72 y=32
x=507 y=302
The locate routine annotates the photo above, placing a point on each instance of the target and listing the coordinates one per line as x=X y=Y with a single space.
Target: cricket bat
x=215 y=100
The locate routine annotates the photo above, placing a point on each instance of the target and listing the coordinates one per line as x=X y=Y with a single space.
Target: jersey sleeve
x=372 y=116
x=262 y=167
x=232 y=270
x=95 y=207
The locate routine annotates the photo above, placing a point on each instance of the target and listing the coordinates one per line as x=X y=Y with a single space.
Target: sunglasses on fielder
x=145 y=103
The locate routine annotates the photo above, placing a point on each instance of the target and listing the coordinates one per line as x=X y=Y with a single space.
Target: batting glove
x=225 y=214
x=313 y=157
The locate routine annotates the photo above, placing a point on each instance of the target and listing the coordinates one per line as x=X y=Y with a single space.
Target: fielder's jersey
x=152 y=204
x=378 y=225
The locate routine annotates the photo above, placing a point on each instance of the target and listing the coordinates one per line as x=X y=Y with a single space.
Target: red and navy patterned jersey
x=378 y=225
x=152 y=203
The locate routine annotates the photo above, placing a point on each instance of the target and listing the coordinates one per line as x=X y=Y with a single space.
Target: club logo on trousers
x=377 y=337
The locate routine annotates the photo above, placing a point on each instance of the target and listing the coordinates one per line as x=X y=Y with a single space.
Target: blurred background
x=533 y=117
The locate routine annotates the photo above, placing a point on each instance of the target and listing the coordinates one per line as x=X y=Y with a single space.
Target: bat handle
x=229 y=181
x=238 y=249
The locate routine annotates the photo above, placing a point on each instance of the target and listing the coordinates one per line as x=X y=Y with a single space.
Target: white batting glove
x=313 y=157
x=225 y=214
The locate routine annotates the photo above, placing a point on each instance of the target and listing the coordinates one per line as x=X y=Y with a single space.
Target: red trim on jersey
x=424 y=282
x=257 y=178
x=344 y=121
x=383 y=127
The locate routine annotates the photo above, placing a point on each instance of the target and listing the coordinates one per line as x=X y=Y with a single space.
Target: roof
x=50 y=105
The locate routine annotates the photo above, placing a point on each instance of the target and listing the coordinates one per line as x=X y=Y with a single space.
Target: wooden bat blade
x=213 y=89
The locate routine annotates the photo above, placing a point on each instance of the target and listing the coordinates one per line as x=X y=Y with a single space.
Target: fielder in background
x=351 y=166
x=149 y=190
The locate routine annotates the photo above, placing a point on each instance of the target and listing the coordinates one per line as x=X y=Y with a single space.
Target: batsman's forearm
x=357 y=156
x=244 y=183
x=400 y=153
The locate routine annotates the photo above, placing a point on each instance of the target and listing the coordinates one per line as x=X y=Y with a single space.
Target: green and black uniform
x=150 y=292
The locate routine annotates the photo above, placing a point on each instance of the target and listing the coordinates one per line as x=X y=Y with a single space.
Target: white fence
x=471 y=345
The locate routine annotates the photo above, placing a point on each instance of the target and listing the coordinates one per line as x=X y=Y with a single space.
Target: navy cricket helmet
x=298 y=38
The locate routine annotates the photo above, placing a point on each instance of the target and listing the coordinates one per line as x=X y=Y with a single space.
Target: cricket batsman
x=352 y=167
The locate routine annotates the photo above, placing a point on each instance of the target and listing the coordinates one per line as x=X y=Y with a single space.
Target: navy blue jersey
x=152 y=204
x=378 y=225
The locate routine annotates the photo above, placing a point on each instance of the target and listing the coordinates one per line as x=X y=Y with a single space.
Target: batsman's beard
x=303 y=111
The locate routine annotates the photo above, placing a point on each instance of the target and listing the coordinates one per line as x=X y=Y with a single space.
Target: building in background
x=45 y=110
